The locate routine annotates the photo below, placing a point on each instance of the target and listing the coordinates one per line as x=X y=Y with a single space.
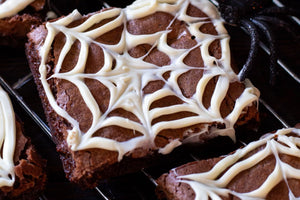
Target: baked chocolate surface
x=89 y=165
x=276 y=162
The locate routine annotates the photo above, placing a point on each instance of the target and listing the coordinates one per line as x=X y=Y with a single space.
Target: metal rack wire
x=21 y=82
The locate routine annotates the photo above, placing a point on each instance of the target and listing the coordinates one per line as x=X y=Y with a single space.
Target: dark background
x=283 y=97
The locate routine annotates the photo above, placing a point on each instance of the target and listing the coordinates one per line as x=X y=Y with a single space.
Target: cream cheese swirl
x=10 y=8
x=7 y=140
x=126 y=80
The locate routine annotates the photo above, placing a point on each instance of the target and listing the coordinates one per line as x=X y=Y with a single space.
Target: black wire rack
x=279 y=105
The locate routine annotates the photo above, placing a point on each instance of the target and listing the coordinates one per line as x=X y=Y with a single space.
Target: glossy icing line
x=213 y=184
x=129 y=76
x=12 y=7
x=7 y=140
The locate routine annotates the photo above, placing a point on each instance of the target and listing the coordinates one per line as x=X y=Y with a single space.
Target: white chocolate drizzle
x=127 y=79
x=213 y=183
x=7 y=140
x=11 y=7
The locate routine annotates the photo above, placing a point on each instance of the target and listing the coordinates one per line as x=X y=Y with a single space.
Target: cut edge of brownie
x=13 y=29
x=30 y=175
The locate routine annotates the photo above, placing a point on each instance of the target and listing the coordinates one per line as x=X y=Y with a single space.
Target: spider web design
x=127 y=78
x=213 y=184
x=7 y=140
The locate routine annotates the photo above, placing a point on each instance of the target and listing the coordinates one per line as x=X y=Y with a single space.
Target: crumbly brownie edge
x=30 y=174
x=13 y=30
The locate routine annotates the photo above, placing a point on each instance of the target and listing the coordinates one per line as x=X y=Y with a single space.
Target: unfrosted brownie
x=22 y=169
x=121 y=86
x=16 y=19
x=265 y=169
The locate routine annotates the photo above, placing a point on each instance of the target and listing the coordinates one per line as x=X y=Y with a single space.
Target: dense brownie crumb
x=13 y=29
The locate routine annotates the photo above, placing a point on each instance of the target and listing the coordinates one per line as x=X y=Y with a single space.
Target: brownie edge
x=13 y=29
x=30 y=174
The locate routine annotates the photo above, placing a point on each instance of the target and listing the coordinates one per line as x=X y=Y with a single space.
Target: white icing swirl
x=12 y=7
x=7 y=140
x=130 y=75
x=213 y=183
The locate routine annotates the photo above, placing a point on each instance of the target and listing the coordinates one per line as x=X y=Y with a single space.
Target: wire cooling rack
x=142 y=184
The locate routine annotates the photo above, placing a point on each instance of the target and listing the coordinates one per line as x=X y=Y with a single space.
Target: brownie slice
x=23 y=173
x=264 y=169
x=17 y=20
x=122 y=86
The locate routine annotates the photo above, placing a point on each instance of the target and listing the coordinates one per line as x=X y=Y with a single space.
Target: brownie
x=264 y=169
x=17 y=18
x=120 y=87
x=22 y=169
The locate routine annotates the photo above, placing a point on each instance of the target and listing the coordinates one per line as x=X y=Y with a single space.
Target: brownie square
x=263 y=169
x=120 y=87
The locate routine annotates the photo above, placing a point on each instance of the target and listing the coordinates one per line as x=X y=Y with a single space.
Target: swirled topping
x=254 y=171
x=7 y=140
x=10 y=8
x=141 y=72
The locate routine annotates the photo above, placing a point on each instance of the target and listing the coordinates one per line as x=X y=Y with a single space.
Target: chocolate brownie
x=264 y=169
x=122 y=86
x=22 y=169
x=16 y=19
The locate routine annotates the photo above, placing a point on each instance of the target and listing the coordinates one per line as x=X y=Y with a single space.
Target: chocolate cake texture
x=121 y=86
x=17 y=18
x=264 y=169
x=22 y=173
